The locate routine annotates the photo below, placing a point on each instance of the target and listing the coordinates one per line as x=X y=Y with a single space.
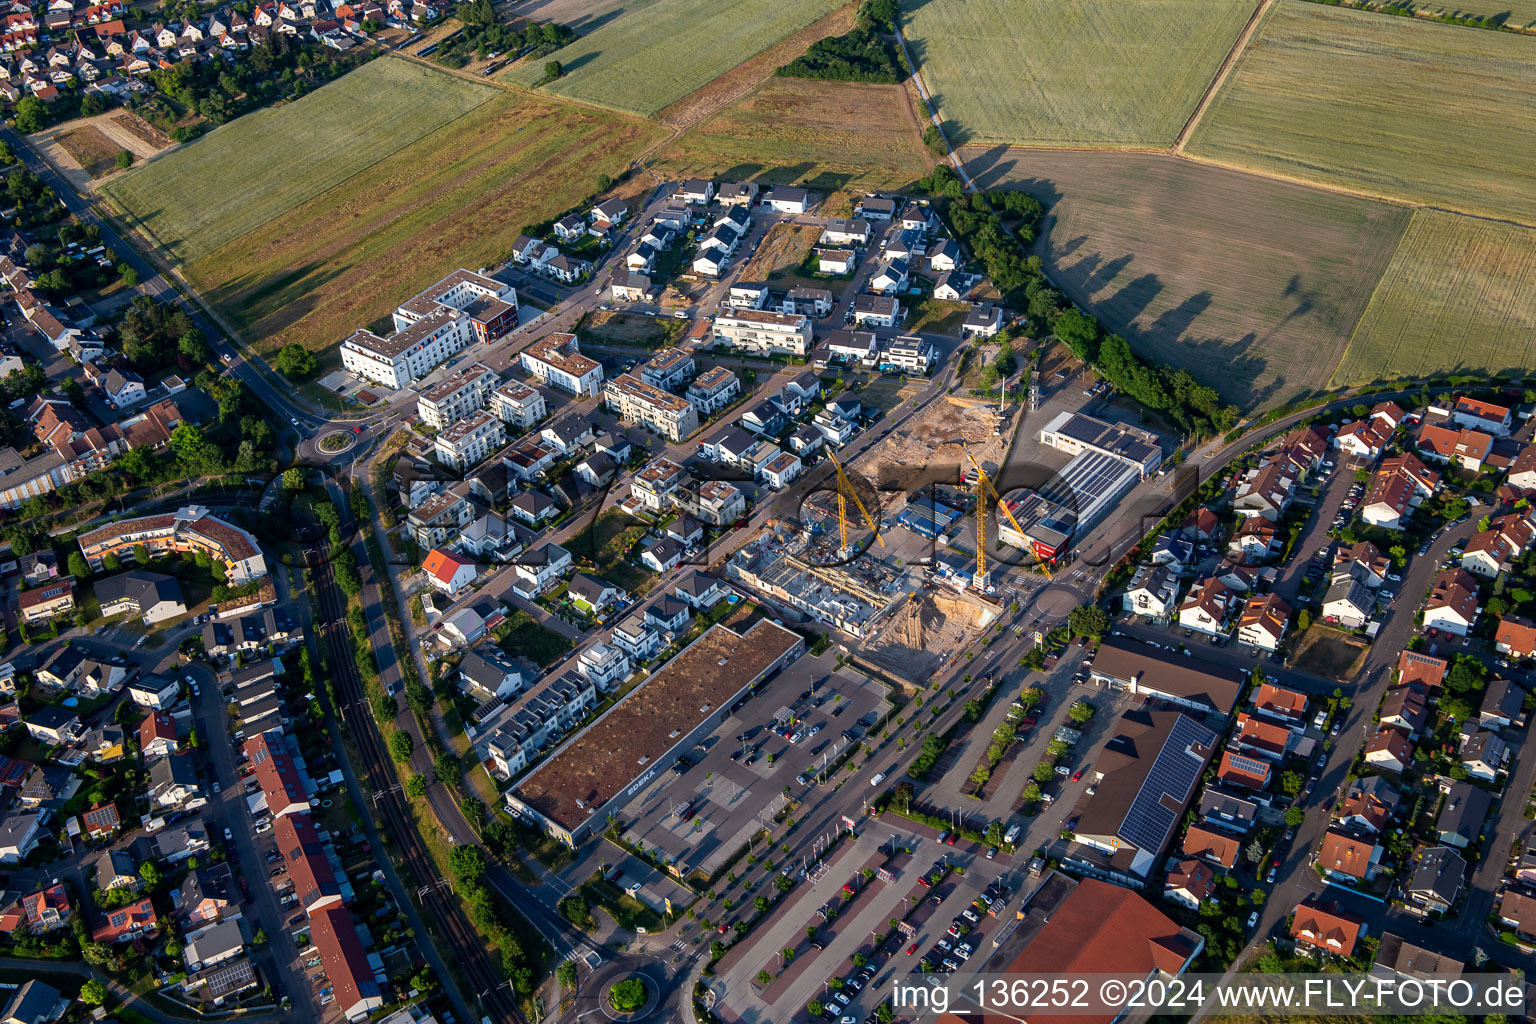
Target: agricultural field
x=199 y=197
x=1391 y=106
x=650 y=58
x=456 y=197
x=824 y=135
x=1513 y=13
x=582 y=15
x=1459 y=296
x=1077 y=73
x=1251 y=283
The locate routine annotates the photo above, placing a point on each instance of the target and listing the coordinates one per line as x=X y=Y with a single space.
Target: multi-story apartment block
x=716 y=502
x=489 y=306
x=461 y=309
x=668 y=369
x=714 y=389
x=518 y=404
x=190 y=528
x=604 y=664
x=668 y=415
x=654 y=484
x=441 y=516
x=470 y=441
x=907 y=354
x=763 y=332
x=558 y=362
x=395 y=361
x=458 y=396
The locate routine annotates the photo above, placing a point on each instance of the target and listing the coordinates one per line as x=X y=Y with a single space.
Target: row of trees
x=484 y=34
x=867 y=53
x=281 y=68
x=999 y=227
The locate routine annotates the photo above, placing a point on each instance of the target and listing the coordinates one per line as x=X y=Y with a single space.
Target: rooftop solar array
x=1168 y=786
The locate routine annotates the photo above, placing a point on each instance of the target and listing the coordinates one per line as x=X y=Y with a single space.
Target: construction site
x=790 y=568
x=928 y=629
x=927 y=448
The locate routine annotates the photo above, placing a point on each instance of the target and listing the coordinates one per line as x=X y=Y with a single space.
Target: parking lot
x=748 y=769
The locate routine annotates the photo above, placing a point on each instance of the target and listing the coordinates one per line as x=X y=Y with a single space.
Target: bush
x=400 y=746
x=627 y=996
x=295 y=362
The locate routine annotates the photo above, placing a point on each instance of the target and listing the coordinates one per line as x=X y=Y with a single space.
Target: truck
x=1011 y=834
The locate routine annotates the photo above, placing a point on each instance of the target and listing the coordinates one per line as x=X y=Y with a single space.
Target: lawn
x=654 y=56
x=524 y=636
x=937 y=316
x=456 y=197
x=1094 y=73
x=198 y=197
x=1397 y=107
x=93 y=151
x=825 y=135
x=1458 y=296
x=1251 y=283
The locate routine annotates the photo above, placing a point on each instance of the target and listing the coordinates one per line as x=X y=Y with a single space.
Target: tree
x=575 y=910
x=1294 y=816
x=467 y=862
x=1088 y=620
x=884 y=1014
x=448 y=769
x=31 y=115
x=566 y=974
x=129 y=275
x=1044 y=772
x=124 y=159
x=1080 y=712
x=552 y=70
x=195 y=348
x=814 y=1007
x=763 y=977
x=295 y=362
x=400 y=746
x=1254 y=852
x=760 y=904
x=77 y=565
x=293 y=479
x=1303 y=619
x=1031 y=792
x=1291 y=783
x=260 y=938
x=93 y=992
x=627 y=995
x=149 y=874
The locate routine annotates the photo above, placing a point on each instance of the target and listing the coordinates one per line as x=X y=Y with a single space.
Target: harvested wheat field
x=1458 y=297
x=1091 y=73
x=198 y=197
x=1252 y=284
x=1396 y=107
x=824 y=135
x=456 y=197
x=654 y=56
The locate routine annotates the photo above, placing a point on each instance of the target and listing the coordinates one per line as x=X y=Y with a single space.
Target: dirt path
x=115 y=133
x=1238 y=47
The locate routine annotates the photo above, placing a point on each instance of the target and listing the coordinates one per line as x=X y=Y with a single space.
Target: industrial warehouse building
x=927 y=517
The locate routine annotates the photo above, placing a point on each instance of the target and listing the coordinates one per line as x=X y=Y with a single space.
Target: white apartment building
x=604 y=664
x=908 y=354
x=441 y=516
x=558 y=362
x=458 y=396
x=395 y=361
x=714 y=389
x=668 y=369
x=716 y=502
x=668 y=415
x=654 y=484
x=470 y=441
x=517 y=404
x=488 y=304
x=764 y=333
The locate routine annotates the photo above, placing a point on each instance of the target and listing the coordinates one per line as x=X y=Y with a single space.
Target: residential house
x=1349 y=856
x=1515 y=637
x=116 y=869
x=154 y=597
x=1503 y=705
x=127 y=923
x=446 y=572
x=1485 y=416
x=1369 y=804
x=1462 y=813
x=52 y=725
x=48 y=909
x=1389 y=750
x=490 y=674
x=604 y=664
x=1190 y=883
x=1348 y=603
x=1208 y=608
x=173 y=782
x=1326 y=928
x=982 y=320
x=1404 y=708
x=1452 y=605
x=1437 y=878
x=47 y=601
x=1255 y=540
x=1364 y=561
x=1263 y=622
x=1399 y=485
x=1281 y=703
x=1415 y=668
x=1491 y=551
x=1484 y=755
x=1266 y=491
x=1216 y=847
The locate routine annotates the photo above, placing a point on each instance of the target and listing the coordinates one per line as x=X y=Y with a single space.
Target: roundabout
x=334 y=442
x=627 y=990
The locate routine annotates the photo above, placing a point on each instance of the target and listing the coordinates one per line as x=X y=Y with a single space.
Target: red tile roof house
x=1424 y=670
x=47 y=909
x=1212 y=846
x=127 y=923
x=1280 y=703
x=1349 y=855
x=1190 y=883
x=1244 y=771
x=157 y=735
x=1326 y=928
x=1515 y=637
x=1389 y=750
x=100 y=821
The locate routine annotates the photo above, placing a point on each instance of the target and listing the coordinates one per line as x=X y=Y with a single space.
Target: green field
x=1251 y=283
x=200 y=196
x=1090 y=73
x=1392 y=106
x=1459 y=297
x=646 y=60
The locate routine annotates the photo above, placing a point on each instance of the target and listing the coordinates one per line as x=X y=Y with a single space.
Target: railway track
x=446 y=919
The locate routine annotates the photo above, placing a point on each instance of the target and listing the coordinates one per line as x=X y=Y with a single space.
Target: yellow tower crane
x=844 y=484
x=983 y=488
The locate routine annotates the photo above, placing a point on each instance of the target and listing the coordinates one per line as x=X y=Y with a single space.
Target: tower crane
x=983 y=488
x=844 y=484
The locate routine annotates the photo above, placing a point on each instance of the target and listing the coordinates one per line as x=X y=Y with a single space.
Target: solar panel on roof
x=1174 y=773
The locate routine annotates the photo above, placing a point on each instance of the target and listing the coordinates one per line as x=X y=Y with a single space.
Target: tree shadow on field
x=252 y=297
